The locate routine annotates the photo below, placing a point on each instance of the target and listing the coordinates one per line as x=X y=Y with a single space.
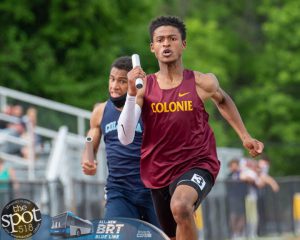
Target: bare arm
x=271 y=182
x=95 y=132
x=208 y=88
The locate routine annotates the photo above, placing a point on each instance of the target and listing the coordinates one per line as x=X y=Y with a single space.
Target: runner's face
x=118 y=82
x=167 y=44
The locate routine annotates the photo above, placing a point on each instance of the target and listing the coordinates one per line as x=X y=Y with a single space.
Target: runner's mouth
x=114 y=94
x=166 y=52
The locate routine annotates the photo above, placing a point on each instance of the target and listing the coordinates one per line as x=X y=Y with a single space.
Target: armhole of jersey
x=103 y=112
x=195 y=86
x=148 y=80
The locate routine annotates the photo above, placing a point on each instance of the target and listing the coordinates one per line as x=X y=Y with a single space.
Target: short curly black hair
x=167 y=21
x=122 y=63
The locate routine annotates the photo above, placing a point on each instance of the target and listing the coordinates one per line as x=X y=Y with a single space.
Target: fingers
x=253 y=153
x=89 y=168
x=89 y=171
x=132 y=75
x=139 y=72
x=136 y=72
x=88 y=164
x=259 y=146
x=254 y=146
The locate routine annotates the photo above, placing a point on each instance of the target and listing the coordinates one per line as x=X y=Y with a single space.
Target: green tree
x=62 y=50
x=276 y=103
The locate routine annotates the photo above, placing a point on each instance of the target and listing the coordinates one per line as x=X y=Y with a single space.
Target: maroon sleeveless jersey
x=176 y=135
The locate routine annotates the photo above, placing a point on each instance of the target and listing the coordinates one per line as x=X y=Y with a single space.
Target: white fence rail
x=80 y=114
x=74 y=142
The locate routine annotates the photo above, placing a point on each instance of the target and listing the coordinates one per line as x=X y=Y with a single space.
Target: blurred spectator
x=19 y=127
x=7 y=177
x=263 y=168
x=257 y=178
x=7 y=110
x=268 y=180
x=234 y=169
x=249 y=175
x=13 y=129
x=236 y=192
x=34 y=140
x=264 y=164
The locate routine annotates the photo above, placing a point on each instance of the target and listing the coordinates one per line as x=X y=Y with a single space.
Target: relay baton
x=136 y=62
x=89 y=149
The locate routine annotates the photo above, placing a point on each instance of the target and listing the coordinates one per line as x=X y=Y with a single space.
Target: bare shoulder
x=99 y=107
x=207 y=81
x=97 y=114
x=206 y=84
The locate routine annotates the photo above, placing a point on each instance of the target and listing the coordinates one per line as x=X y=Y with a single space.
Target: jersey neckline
x=173 y=88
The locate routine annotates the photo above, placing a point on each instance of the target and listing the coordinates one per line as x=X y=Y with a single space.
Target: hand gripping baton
x=89 y=149
x=136 y=62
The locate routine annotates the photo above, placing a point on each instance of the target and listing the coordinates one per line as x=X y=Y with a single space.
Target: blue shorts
x=130 y=204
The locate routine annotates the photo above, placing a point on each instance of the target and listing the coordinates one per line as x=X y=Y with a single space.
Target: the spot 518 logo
x=21 y=218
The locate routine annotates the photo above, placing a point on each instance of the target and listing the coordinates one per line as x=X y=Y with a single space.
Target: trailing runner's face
x=118 y=82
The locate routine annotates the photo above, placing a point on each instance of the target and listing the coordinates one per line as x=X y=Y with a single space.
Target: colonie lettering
x=180 y=106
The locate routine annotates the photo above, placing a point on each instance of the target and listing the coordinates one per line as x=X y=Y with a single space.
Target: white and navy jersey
x=123 y=161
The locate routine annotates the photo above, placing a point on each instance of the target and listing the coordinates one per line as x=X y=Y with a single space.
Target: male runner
x=126 y=194
x=179 y=160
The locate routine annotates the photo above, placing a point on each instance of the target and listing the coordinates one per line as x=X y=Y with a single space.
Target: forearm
x=128 y=120
x=271 y=182
x=229 y=111
x=88 y=162
x=95 y=134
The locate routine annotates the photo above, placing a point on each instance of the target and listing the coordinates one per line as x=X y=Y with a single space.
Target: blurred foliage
x=277 y=84
x=63 y=49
